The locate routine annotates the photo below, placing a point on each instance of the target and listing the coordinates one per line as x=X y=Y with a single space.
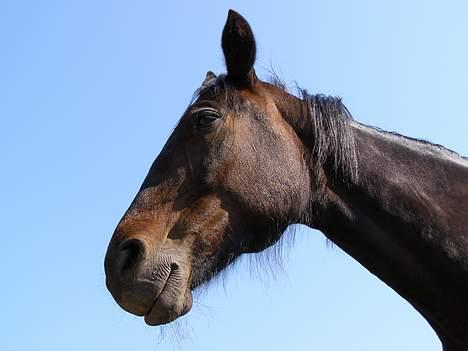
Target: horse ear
x=210 y=77
x=239 y=49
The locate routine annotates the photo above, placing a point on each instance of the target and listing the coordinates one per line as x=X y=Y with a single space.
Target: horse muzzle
x=153 y=286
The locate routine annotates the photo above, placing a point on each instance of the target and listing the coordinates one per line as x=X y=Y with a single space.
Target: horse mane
x=330 y=123
x=333 y=139
x=437 y=147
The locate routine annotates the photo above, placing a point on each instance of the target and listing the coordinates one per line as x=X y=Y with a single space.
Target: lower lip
x=167 y=315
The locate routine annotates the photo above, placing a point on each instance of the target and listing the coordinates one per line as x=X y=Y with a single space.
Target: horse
x=248 y=159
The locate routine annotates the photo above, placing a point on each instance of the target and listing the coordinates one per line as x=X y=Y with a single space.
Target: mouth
x=174 y=300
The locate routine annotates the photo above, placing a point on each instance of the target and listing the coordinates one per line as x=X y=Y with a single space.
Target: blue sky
x=89 y=92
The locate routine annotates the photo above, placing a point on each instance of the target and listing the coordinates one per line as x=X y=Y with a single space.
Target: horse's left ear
x=239 y=49
x=210 y=77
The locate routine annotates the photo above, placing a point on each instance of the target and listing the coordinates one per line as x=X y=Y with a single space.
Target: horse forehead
x=258 y=98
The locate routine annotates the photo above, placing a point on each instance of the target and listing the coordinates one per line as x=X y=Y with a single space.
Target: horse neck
x=408 y=195
x=403 y=218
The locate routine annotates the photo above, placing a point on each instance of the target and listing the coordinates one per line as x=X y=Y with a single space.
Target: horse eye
x=206 y=117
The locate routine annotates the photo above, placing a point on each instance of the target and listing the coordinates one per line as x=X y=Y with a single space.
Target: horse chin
x=168 y=306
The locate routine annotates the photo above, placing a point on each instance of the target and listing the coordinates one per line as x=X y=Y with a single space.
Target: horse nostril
x=131 y=251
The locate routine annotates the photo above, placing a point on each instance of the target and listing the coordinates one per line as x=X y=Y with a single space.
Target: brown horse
x=248 y=159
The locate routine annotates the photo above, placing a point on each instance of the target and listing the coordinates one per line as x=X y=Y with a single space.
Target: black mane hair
x=333 y=139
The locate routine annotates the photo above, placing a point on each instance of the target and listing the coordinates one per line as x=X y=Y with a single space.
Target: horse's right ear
x=239 y=49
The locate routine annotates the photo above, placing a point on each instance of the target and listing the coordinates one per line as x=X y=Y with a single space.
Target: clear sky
x=89 y=92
